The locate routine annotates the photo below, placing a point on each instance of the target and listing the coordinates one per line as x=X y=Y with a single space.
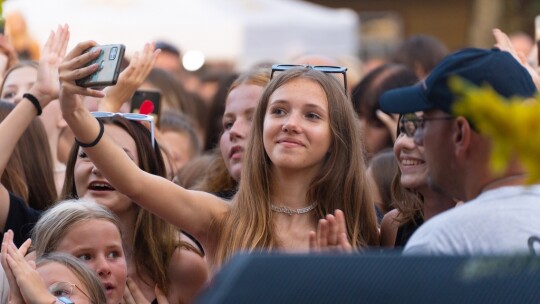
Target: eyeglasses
x=323 y=68
x=130 y=116
x=64 y=290
x=410 y=123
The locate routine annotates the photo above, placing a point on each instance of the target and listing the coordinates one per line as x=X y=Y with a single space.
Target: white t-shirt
x=499 y=221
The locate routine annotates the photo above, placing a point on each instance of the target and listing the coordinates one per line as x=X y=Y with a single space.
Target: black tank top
x=406 y=230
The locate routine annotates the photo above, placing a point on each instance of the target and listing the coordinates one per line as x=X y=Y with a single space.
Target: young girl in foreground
x=304 y=160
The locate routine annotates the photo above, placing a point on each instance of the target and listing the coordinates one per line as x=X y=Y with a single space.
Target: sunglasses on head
x=322 y=68
x=131 y=116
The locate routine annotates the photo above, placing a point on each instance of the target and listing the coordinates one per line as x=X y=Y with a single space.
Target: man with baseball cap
x=500 y=214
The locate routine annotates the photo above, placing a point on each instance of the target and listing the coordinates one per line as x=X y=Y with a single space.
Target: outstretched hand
x=46 y=86
x=130 y=79
x=331 y=235
x=73 y=68
x=504 y=44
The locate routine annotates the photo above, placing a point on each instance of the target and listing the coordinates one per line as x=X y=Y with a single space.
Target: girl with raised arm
x=304 y=160
x=13 y=212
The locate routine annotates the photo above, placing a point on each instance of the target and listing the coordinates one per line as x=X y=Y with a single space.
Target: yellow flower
x=512 y=124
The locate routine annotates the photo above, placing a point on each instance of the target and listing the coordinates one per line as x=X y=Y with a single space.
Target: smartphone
x=109 y=61
x=147 y=102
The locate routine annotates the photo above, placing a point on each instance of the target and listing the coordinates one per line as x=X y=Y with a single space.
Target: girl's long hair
x=154 y=240
x=340 y=184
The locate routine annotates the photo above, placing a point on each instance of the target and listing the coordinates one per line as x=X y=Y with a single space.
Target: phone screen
x=147 y=102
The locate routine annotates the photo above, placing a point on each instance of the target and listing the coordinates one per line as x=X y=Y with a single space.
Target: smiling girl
x=303 y=160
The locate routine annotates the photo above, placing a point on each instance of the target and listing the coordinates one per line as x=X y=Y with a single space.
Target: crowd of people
x=99 y=206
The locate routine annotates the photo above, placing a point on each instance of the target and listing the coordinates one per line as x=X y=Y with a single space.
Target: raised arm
x=503 y=43
x=192 y=211
x=130 y=79
x=44 y=90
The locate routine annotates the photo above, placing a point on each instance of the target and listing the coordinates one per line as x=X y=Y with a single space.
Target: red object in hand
x=147 y=107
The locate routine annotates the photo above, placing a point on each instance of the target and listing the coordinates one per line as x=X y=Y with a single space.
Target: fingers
x=133 y=294
x=322 y=233
x=8 y=239
x=160 y=296
x=502 y=39
x=313 y=246
x=340 y=222
x=60 y=42
x=141 y=64
x=79 y=49
x=344 y=243
x=390 y=121
x=332 y=230
x=331 y=234
x=64 y=41
x=25 y=246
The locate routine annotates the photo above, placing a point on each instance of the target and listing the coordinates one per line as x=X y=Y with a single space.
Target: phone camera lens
x=112 y=54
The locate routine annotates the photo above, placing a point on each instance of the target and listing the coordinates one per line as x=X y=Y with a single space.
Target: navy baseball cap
x=494 y=67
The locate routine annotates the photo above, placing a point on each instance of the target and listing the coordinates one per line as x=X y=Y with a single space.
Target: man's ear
x=462 y=135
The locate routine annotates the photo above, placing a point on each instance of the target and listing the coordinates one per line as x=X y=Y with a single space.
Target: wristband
x=34 y=101
x=96 y=141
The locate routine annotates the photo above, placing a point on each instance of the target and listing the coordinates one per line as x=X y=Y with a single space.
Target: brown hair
x=217 y=177
x=55 y=223
x=174 y=121
x=424 y=50
x=154 y=240
x=91 y=282
x=340 y=184
x=20 y=64
x=383 y=167
x=408 y=202
x=34 y=182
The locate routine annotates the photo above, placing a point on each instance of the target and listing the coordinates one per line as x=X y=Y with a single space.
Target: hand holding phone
x=109 y=60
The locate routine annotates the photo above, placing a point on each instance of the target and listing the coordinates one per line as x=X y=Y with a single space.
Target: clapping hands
x=331 y=235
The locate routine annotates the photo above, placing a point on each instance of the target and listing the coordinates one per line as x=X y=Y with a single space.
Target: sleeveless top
x=406 y=230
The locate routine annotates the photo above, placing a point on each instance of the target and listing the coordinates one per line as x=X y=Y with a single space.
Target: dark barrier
x=375 y=278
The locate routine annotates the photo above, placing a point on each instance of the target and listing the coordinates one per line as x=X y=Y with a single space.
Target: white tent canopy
x=241 y=31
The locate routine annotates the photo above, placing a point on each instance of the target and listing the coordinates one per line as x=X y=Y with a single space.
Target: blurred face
x=179 y=146
x=52 y=272
x=375 y=135
x=240 y=106
x=17 y=83
x=169 y=61
x=91 y=184
x=98 y=243
x=296 y=131
x=434 y=134
x=410 y=157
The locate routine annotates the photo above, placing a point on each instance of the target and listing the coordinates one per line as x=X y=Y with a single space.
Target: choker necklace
x=289 y=211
